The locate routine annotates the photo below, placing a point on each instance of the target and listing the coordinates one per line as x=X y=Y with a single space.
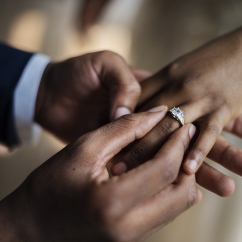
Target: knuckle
x=110 y=55
x=86 y=149
x=212 y=129
x=181 y=79
x=191 y=194
x=133 y=88
x=128 y=119
x=215 y=100
x=199 y=153
x=172 y=71
x=107 y=53
x=136 y=155
x=166 y=127
x=170 y=173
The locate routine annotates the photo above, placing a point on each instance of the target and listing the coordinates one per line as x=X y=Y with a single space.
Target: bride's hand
x=207 y=85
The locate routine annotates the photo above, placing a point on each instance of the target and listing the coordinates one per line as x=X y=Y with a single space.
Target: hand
x=71 y=197
x=207 y=85
x=91 y=11
x=85 y=92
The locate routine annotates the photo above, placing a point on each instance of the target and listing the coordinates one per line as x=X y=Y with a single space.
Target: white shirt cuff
x=25 y=95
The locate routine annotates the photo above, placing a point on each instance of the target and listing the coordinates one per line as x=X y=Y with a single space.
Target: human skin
x=85 y=92
x=72 y=198
x=207 y=86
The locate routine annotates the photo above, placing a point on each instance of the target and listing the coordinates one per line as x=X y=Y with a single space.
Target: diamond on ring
x=177 y=114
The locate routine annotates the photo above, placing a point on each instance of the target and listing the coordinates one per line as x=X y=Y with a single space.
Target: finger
x=227 y=155
x=209 y=132
x=148 y=146
x=156 y=174
x=144 y=149
x=235 y=126
x=215 y=181
x=102 y=144
x=123 y=87
x=192 y=110
x=157 y=84
x=151 y=87
x=165 y=206
x=140 y=74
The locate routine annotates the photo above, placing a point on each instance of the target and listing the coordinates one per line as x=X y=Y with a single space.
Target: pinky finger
x=227 y=155
x=215 y=181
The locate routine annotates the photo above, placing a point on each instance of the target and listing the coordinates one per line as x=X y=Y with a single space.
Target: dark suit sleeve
x=12 y=64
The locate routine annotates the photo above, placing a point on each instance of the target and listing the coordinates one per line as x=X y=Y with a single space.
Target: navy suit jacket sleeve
x=12 y=64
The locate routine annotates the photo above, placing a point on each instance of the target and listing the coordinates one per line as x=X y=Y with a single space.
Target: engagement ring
x=177 y=114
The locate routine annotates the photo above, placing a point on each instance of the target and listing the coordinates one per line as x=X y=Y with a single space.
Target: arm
x=68 y=98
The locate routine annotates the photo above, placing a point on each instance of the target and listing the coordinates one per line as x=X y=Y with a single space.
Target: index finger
x=102 y=144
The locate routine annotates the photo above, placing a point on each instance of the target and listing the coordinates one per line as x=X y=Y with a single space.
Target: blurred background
x=148 y=34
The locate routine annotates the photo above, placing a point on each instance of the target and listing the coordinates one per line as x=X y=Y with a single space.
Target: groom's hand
x=71 y=197
x=83 y=93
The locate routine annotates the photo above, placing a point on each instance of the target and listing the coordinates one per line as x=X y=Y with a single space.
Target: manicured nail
x=119 y=168
x=121 y=111
x=158 y=109
x=192 y=130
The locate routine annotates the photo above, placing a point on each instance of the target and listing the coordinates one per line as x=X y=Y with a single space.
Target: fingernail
x=121 y=111
x=158 y=109
x=192 y=130
x=191 y=165
x=119 y=168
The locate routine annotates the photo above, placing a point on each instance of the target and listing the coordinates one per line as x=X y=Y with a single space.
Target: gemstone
x=178 y=114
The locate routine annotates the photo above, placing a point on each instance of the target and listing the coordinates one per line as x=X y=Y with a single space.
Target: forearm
x=16 y=220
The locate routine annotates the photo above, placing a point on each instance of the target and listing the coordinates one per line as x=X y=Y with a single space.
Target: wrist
x=42 y=93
